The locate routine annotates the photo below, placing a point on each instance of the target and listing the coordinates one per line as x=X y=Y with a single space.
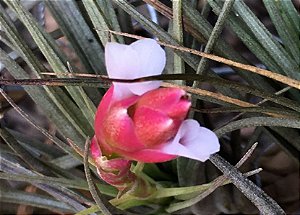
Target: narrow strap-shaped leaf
x=178 y=35
x=286 y=30
x=54 y=110
x=66 y=162
x=111 y=16
x=79 y=34
x=48 y=151
x=65 y=195
x=56 y=140
x=293 y=15
x=259 y=198
x=90 y=210
x=288 y=65
x=185 y=193
x=40 y=96
x=258 y=121
x=25 y=155
x=46 y=180
x=215 y=35
x=50 y=53
x=53 y=181
x=35 y=200
x=99 y=20
x=279 y=111
x=201 y=29
x=241 y=30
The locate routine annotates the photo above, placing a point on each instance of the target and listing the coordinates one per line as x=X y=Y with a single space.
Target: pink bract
x=135 y=127
x=115 y=172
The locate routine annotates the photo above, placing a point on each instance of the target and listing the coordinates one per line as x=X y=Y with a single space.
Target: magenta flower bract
x=115 y=172
x=142 y=122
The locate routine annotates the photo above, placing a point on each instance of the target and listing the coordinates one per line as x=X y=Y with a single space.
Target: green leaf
x=33 y=162
x=76 y=184
x=178 y=191
x=285 y=29
x=80 y=36
x=203 y=27
x=35 y=200
x=178 y=35
x=11 y=165
x=292 y=14
x=247 y=38
x=13 y=67
x=258 y=121
x=48 y=151
x=88 y=211
x=53 y=181
x=44 y=41
x=273 y=47
x=99 y=20
x=214 y=36
x=256 y=195
x=66 y=162
x=109 y=12
x=42 y=96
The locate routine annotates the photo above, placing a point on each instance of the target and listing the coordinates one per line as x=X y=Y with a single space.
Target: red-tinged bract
x=138 y=126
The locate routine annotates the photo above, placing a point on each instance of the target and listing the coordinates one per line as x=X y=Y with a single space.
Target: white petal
x=193 y=141
x=152 y=57
x=121 y=61
x=141 y=88
x=121 y=91
x=142 y=58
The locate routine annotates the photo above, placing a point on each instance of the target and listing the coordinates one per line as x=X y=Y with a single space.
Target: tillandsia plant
x=164 y=118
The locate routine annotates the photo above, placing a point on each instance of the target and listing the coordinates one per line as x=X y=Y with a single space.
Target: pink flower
x=142 y=122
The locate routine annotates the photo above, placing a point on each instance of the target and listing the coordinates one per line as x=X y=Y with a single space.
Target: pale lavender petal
x=142 y=58
x=141 y=88
x=152 y=57
x=193 y=141
x=121 y=61
x=121 y=91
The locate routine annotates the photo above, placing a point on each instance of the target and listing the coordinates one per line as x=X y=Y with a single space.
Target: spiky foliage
x=35 y=155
